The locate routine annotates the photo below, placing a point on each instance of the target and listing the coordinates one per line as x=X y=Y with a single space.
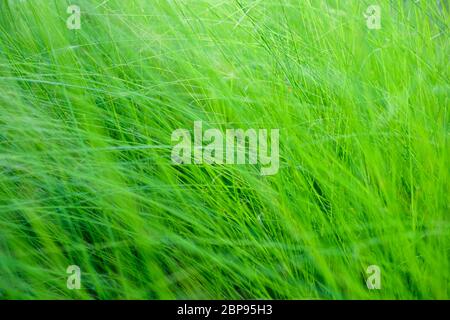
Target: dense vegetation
x=86 y=176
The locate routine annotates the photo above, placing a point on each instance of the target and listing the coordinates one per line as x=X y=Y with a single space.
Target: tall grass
x=86 y=177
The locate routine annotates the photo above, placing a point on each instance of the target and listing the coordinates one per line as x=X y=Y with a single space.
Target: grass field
x=86 y=176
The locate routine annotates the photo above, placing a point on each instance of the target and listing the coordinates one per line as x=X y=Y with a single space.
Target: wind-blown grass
x=85 y=171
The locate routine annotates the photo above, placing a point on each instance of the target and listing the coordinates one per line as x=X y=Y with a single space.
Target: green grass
x=86 y=177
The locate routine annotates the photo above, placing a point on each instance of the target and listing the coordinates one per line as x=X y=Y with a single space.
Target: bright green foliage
x=86 y=176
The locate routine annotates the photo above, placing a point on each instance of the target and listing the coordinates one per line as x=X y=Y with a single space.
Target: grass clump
x=85 y=171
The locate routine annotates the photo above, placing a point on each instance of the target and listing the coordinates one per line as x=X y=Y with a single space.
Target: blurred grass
x=85 y=171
